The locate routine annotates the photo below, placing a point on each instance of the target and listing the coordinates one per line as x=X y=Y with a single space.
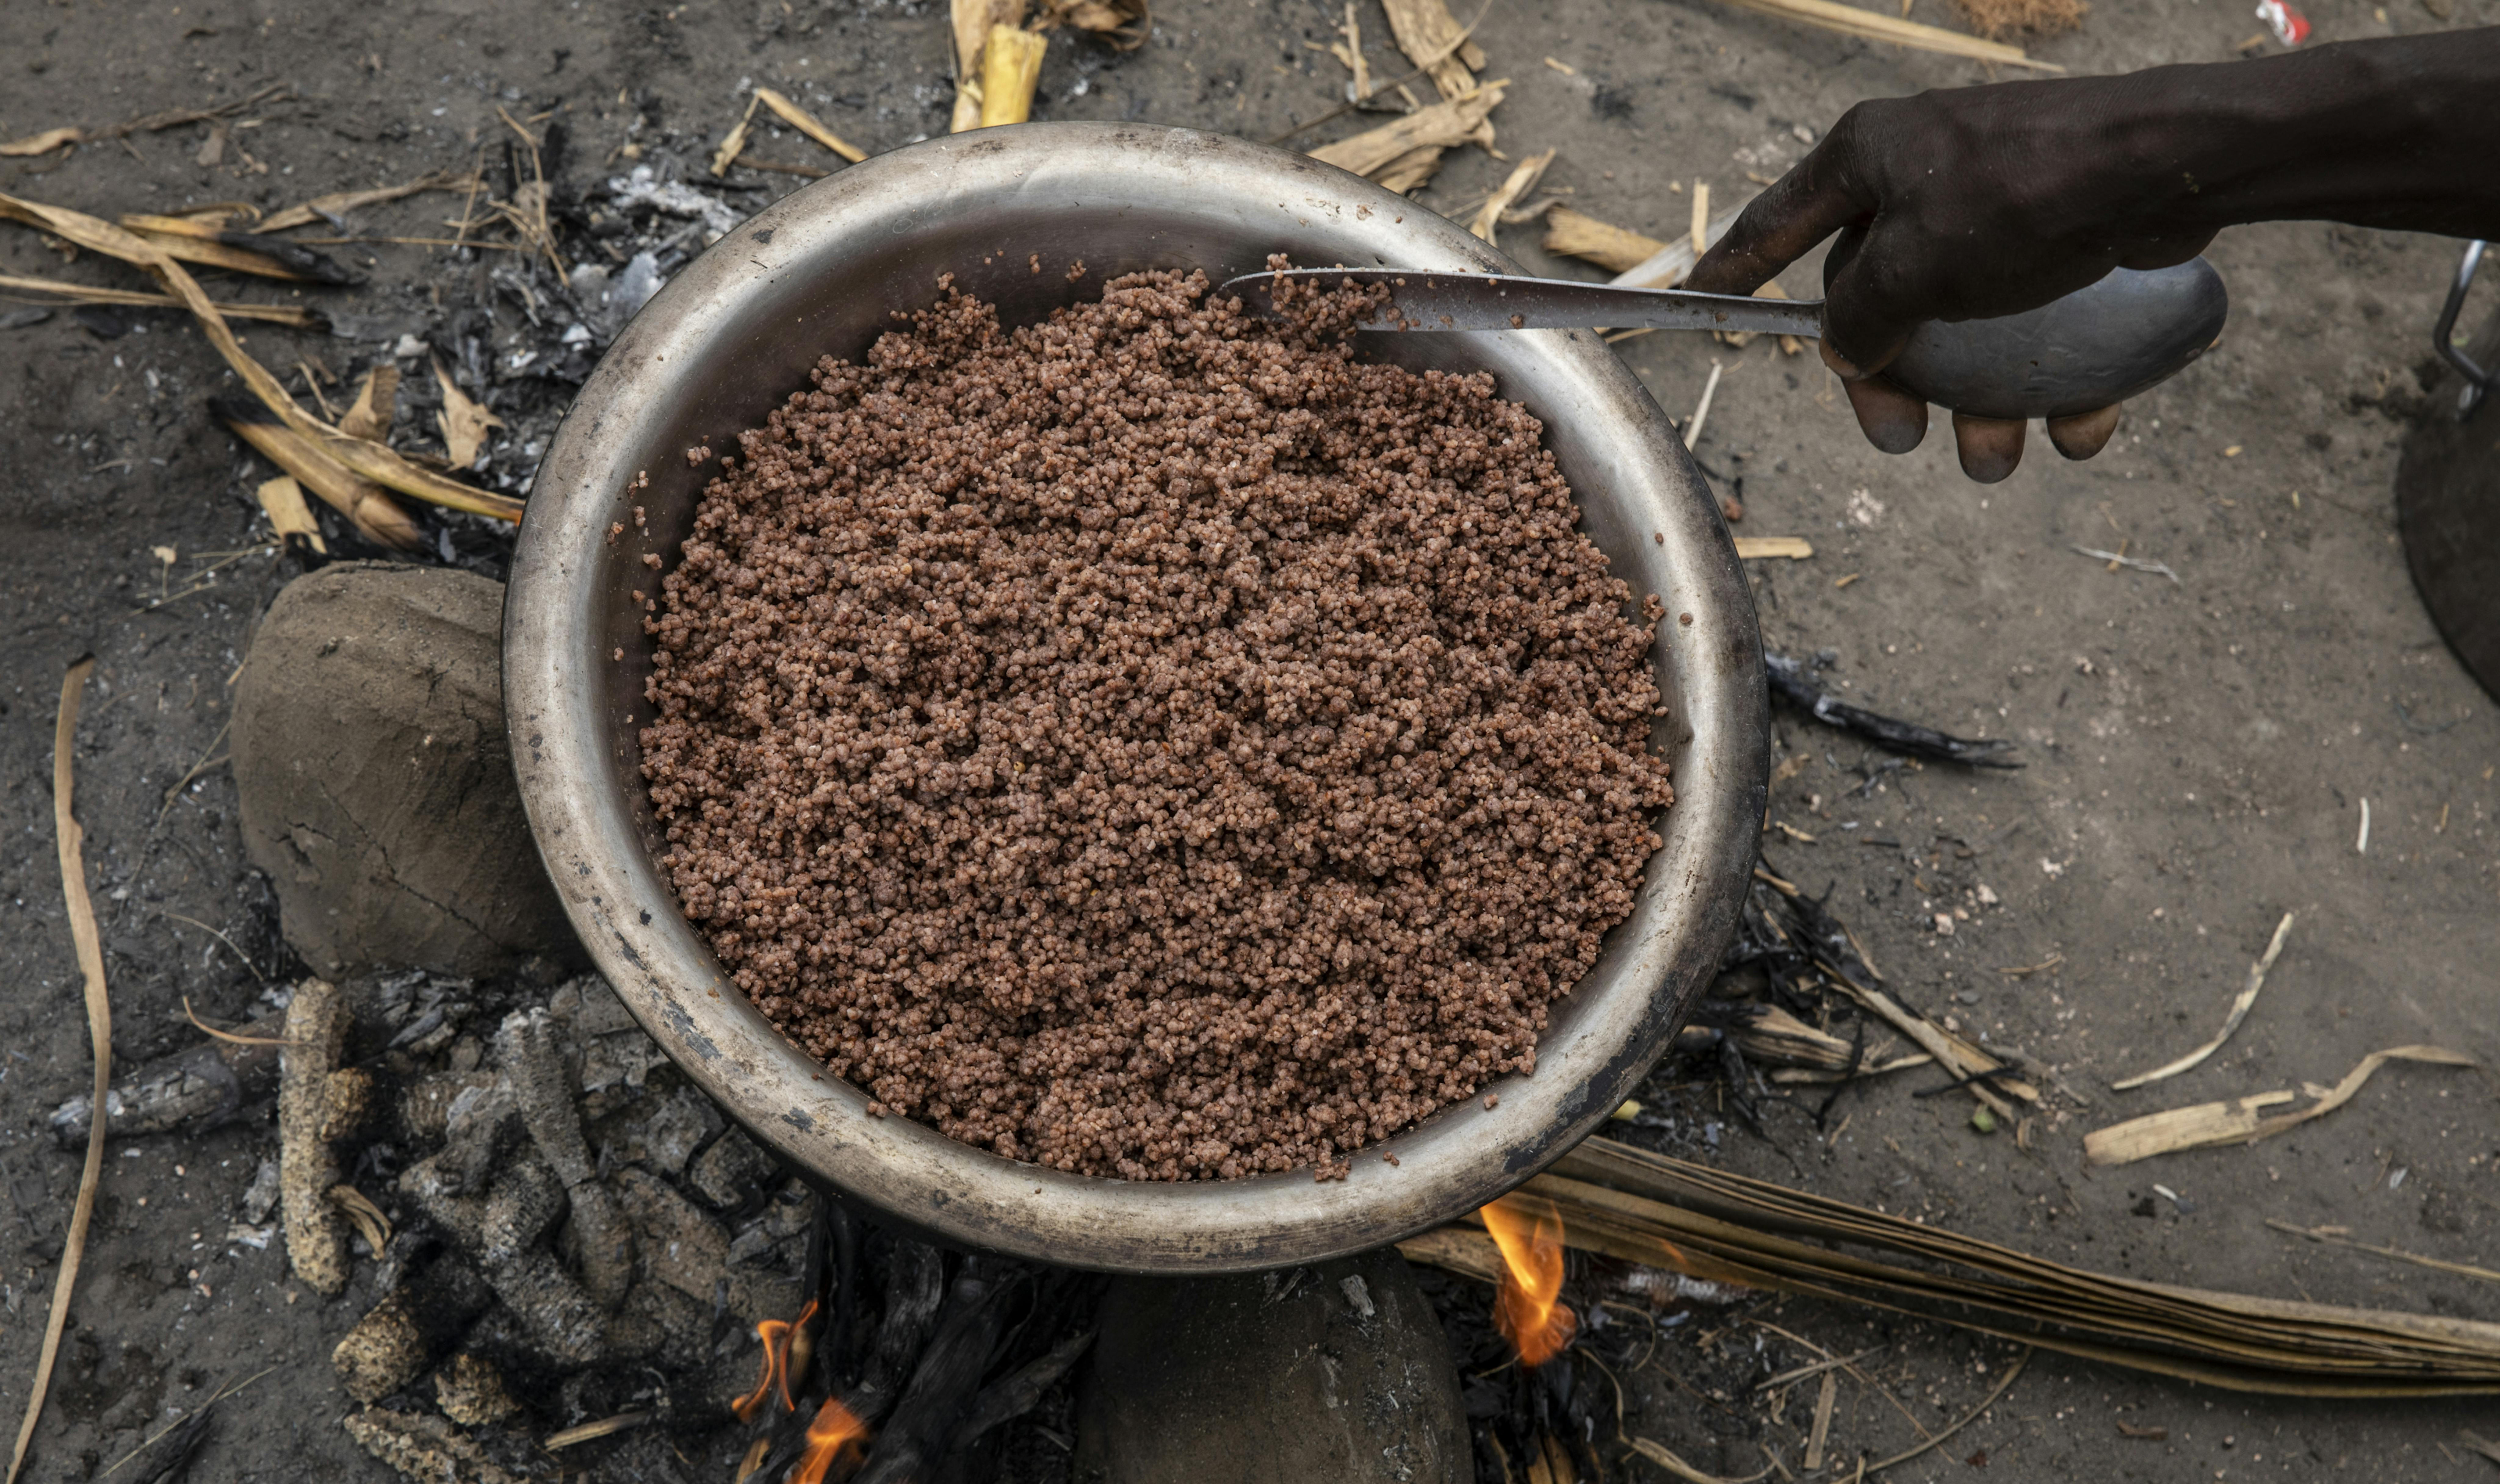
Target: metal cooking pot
x=819 y=272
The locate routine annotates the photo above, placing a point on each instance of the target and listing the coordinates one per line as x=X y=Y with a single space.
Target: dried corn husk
x=1124 y=23
x=1389 y=151
x=1431 y=39
x=2243 y=1120
x=1523 y=179
x=367 y=459
x=1010 y=70
x=1579 y=235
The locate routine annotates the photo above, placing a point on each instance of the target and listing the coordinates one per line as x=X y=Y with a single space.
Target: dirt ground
x=2198 y=752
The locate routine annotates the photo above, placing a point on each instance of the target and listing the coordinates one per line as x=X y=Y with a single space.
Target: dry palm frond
x=1667 y=1213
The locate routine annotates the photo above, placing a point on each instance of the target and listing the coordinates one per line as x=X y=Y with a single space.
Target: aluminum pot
x=820 y=273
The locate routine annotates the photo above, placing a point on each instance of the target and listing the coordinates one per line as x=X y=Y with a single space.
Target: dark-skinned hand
x=1982 y=202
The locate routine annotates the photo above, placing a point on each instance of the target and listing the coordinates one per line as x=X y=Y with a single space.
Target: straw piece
x=1523 y=179
x=1849 y=20
x=43 y=143
x=1579 y=235
x=291 y=316
x=2236 y=1120
x=1667 y=267
x=1755 y=548
x=84 y=937
x=1010 y=70
x=736 y=143
x=2247 y=997
x=207 y=252
x=809 y=124
x=341 y=203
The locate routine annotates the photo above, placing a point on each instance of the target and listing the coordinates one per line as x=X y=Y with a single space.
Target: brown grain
x=1152 y=742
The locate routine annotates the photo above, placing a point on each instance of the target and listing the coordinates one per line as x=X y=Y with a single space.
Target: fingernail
x=1989 y=447
x=1847 y=368
x=2084 y=434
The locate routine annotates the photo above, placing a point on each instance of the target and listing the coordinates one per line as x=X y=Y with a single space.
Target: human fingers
x=1871 y=304
x=1990 y=446
x=1894 y=420
x=2085 y=434
x=1818 y=196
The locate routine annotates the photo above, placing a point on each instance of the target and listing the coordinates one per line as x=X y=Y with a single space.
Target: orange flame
x=777 y=1334
x=834 y=1433
x=1528 y=1307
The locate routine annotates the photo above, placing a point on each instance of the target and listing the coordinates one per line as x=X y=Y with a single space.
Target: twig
x=2332 y=1237
x=193 y=1017
x=221 y=938
x=207 y=760
x=2138 y=562
x=1702 y=412
x=2012 y=1373
x=591 y=1432
x=2240 y=1006
x=99 y=1020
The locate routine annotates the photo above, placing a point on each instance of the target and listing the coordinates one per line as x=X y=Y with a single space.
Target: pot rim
x=576 y=757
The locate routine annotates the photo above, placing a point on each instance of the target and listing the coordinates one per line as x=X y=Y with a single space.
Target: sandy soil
x=2199 y=752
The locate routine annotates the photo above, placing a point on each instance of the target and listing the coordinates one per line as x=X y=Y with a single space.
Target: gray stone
x=731 y=1172
x=1272 y=1378
x=376 y=785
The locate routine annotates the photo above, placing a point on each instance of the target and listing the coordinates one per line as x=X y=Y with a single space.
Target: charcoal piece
x=1793 y=682
x=303 y=261
x=687 y=1250
x=543 y=1092
x=473 y=1393
x=523 y=1204
x=425 y=1103
x=476 y=1131
x=1021 y=1391
x=424 y=1447
x=197 y=1088
x=915 y=1285
x=667 y=1139
x=410 y=1328
x=562 y=1321
x=928 y=1418
x=731 y=1174
x=1186 y=1372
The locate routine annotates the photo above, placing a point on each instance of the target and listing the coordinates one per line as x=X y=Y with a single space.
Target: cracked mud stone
x=374 y=780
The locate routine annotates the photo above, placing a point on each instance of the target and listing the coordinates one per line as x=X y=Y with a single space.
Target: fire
x=1528 y=1307
x=777 y=1336
x=834 y=1433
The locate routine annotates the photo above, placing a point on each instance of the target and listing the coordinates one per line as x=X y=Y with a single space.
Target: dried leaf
x=809 y=124
x=2237 y=1120
x=370 y=417
x=89 y=947
x=2247 y=997
x=1443 y=124
x=972 y=21
x=464 y=421
x=1523 y=179
x=1125 y=24
x=282 y=499
x=1010 y=70
x=43 y=143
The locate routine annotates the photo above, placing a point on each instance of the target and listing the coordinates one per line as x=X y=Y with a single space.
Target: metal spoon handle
x=2100 y=345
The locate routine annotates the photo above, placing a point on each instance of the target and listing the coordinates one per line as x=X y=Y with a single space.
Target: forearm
x=2399 y=134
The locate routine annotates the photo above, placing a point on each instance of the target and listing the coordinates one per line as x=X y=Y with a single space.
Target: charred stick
x=1791 y=682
